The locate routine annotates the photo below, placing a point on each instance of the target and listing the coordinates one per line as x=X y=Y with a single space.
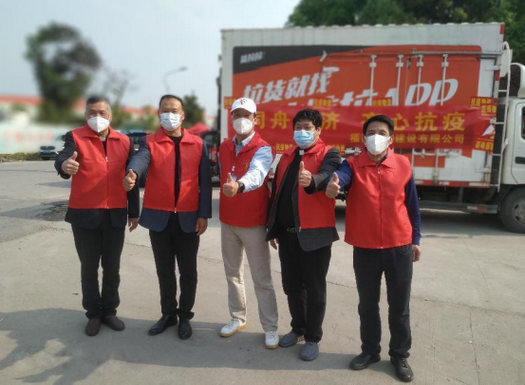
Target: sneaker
x=233 y=327
x=271 y=340
x=403 y=370
x=310 y=351
x=290 y=339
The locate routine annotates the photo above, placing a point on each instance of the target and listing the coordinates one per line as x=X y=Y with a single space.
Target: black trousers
x=369 y=265
x=104 y=243
x=169 y=245
x=304 y=283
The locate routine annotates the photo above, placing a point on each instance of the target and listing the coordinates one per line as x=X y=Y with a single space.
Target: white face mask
x=170 y=121
x=376 y=144
x=242 y=126
x=98 y=124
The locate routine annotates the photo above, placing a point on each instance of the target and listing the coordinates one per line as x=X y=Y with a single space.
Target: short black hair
x=169 y=96
x=380 y=118
x=96 y=99
x=308 y=114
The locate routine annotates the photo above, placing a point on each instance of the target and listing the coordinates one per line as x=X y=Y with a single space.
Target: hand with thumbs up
x=70 y=165
x=332 y=189
x=129 y=180
x=305 y=176
x=231 y=187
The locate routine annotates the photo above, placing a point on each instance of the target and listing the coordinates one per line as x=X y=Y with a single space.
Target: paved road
x=468 y=306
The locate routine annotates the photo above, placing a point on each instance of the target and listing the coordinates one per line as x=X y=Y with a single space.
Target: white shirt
x=259 y=165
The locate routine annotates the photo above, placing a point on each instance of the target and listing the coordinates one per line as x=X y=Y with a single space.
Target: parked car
x=210 y=139
x=135 y=137
x=51 y=151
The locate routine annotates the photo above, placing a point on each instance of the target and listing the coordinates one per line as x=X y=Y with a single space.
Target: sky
x=147 y=39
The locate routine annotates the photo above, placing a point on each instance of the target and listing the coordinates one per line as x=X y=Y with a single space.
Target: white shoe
x=271 y=340
x=233 y=327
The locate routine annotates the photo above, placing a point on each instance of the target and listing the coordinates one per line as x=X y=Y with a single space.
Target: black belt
x=293 y=230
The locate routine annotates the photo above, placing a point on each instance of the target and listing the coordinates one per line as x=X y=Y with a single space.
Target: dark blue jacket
x=157 y=220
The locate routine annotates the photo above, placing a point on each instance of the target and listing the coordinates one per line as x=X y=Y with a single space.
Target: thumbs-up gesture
x=230 y=187
x=305 y=176
x=332 y=189
x=129 y=180
x=70 y=165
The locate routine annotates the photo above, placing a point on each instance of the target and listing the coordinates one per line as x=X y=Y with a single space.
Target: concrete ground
x=468 y=306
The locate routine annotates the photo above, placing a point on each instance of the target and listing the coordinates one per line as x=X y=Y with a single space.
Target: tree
x=114 y=87
x=17 y=107
x=116 y=84
x=150 y=119
x=449 y=11
x=64 y=65
x=383 y=12
x=325 y=12
x=511 y=13
x=358 y=12
x=119 y=116
x=193 y=110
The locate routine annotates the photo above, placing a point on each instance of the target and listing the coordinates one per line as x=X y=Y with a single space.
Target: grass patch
x=18 y=157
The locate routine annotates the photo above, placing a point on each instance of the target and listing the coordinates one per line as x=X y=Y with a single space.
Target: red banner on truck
x=447 y=127
x=429 y=95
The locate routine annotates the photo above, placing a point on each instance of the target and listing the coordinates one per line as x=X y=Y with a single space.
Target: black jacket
x=309 y=239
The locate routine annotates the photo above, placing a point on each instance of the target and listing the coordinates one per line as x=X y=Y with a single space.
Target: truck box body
x=439 y=83
x=394 y=70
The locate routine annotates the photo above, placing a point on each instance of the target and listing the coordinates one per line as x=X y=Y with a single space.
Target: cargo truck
x=456 y=99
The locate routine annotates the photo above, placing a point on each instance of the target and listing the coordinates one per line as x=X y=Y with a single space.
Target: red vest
x=159 y=193
x=249 y=208
x=315 y=210
x=376 y=213
x=98 y=182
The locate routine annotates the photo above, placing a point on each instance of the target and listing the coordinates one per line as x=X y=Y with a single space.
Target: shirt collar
x=244 y=142
x=386 y=161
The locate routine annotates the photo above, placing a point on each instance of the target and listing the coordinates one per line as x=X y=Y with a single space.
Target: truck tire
x=512 y=211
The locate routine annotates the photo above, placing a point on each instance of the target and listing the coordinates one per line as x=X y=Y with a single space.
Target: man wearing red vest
x=244 y=162
x=302 y=222
x=176 y=208
x=382 y=223
x=95 y=156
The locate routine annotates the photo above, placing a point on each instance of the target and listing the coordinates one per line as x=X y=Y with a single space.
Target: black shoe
x=93 y=327
x=162 y=324
x=114 y=323
x=363 y=360
x=185 y=330
x=403 y=371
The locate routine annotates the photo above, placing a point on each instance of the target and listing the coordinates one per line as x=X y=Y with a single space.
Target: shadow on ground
x=449 y=224
x=73 y=356
x=47 y=211
x=61 y=183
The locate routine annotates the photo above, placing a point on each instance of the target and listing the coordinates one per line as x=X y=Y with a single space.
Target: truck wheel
x=512 y=211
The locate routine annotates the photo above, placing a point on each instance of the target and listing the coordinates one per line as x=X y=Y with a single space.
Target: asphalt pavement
x=467 y=307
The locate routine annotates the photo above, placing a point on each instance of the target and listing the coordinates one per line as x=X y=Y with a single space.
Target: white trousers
x=252 y=239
